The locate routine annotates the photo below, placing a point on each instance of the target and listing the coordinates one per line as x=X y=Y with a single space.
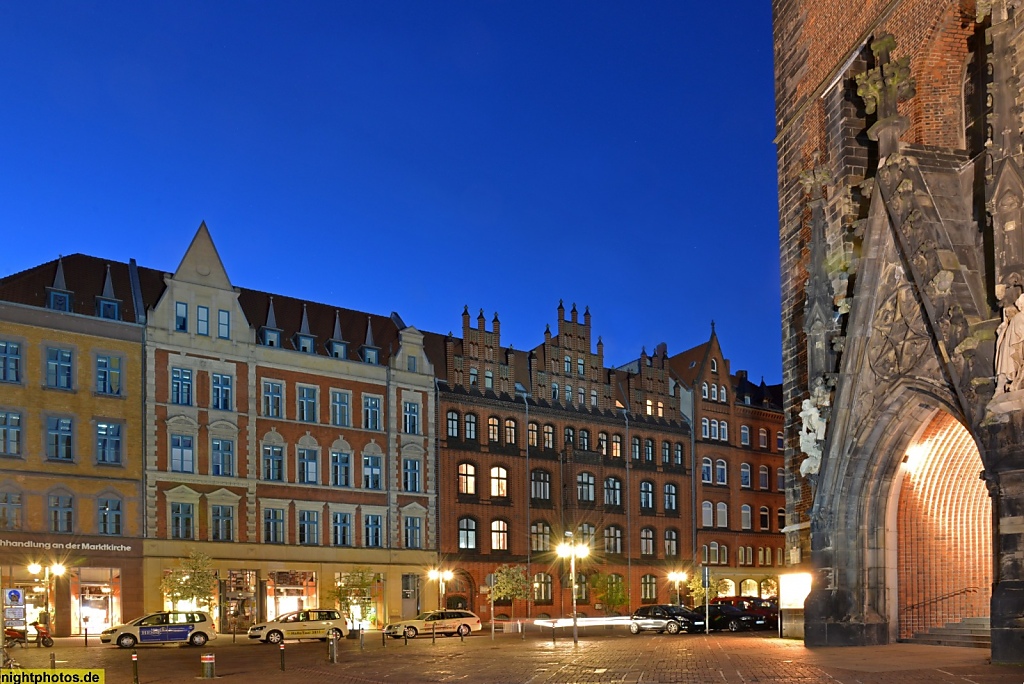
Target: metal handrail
x=943 y=597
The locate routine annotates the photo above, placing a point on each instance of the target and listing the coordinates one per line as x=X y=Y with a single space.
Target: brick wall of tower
x=818 y=48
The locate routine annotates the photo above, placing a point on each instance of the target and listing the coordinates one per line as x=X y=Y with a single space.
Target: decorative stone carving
x=812 y=433
x=1010 y=348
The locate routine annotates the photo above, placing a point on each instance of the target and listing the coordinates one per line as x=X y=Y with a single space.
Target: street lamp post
x=573 y=551
x=440 y=576
x=57 y=570
x=677 y=577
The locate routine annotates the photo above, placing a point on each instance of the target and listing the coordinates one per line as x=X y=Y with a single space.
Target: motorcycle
x=17 y=637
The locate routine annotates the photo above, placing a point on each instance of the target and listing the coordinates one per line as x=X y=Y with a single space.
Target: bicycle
x=9 y=663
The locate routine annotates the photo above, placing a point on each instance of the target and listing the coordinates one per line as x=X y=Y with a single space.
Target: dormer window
x=746 y=399
x=59 y=300
x=108 y=308
x=371 y=355
x=271 y=338
x=339 y=350
x=714 y=365
x=304 y=343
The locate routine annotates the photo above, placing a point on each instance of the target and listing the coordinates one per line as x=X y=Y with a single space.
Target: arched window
x=762 y=436
x=540 y=536
x=762 y=477
x=499 y=481
x=568 y=394
x=602 y=443
x=727 y=587
x=542 y=587
x=540 y=485
x=704 y=554
x=617 y=446
x=467 y=478
x=741 y=557
x=721 y=394
x=678 y=460
x=705 y=470
x=585 y=486
x=723 y=431
x=705 y=429
x=765 y=516
x=649 y=450
x=745 y=435
x=533 y=434
x=613 y=539
x=707 y=510
x=647 y=541
x=488 y=380
x=470 y=426
x=661 y=409
x=648 y=588
x=499 y=535
x=453 y=424
x=714 y=365
x=721 y=475
x=714 y=429
x=586 y=534
x=593 y=397
x=714 y=392
x=671 y=543
x=713 y=559
x=554 y=391
x=549 y=436
x=492 y=429
x=745 y=516
x=647 y=495
x=580 y=369
x=745 y=476
x=582 y=588
x=760 y=555
x=584 y=440
x=781 y=516
x=780 y=442
x=636 y=448
x=671 y=500
x=723 y=514
x=650 y=407
x=723 y=557
x=570 y=436
x=510 y=431
x=473 y=375
x=666 y=453
x=780 y=479
x=748 y=587
x=467 y=533
x=612 y=491
x=704 y=390
x=568 y=364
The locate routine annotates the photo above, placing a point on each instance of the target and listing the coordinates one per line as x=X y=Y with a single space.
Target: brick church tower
x=900 y=157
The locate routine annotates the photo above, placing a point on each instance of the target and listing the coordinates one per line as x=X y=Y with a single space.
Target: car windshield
x=424 y=616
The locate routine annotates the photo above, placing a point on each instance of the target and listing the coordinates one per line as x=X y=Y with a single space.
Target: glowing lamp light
x=793 y=590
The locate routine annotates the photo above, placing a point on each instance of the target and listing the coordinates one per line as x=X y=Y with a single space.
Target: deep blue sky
x=413 y=156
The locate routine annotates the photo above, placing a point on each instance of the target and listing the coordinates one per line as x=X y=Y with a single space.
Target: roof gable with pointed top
x=202 y=264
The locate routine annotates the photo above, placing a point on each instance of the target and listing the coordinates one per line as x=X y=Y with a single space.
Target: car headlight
x=256 y=628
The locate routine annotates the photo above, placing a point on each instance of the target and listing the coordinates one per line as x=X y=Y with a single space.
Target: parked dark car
x=766 y=608
x=724 y=616
x=665 y=618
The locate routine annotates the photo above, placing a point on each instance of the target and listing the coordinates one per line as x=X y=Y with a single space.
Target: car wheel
x=336 y=633
x=734 y=625
x=198 y=639
x=274 y=637
x=463 y=630
x=672 y=628
x=126 y=641
x=634 y=628
x=411 y=632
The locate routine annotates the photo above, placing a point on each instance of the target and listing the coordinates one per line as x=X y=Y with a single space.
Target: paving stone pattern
x=607 y=657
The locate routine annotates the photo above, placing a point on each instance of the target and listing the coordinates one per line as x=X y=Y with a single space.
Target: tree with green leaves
x=193 y=580
x=769 y=587
x=609 y=590
x=354 y=589
x=715 y=587
x=510 y=583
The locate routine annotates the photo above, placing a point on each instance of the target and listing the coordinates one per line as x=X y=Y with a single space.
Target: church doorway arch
x=942 y=545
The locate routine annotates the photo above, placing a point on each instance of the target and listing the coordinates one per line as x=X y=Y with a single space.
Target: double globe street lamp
x=440 y=576
x=677 y=577
x=572 y=551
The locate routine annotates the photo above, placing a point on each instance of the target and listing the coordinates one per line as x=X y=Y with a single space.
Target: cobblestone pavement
x=605 y=656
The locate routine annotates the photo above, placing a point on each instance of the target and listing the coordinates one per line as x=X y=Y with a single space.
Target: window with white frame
x=540 y=485
x=273 y=463
x=467 y=533
x=745 y=435
x=108 y=443
x=613 y=539
x=714 y=392
x=648 y=588
x=181 y=386
x=307 y=412
x=221 y=391
x=413 y=532
x=647 y=495
x=374 y=531
x=585 y=487
x=745 y=516
x=273 y=526
x=340 y=408
x=411 y=474
x=612 y=491
x=371 y=412
x=341 y=469
x=453 y=424
x=647 y=541
x=705 y=470
x=309 y=528
x=705 y=428
x=272 y=394
x=763 y=477
x=745 y=476
x=722 y=510
x=704 y=390
x=470 y=426
x=372 y=472
x=308 y=466
x=10 y=361
x=707 y=510
x=410 y=418
x=762 y=436
x=499 y=535
x=671 y=499
x=467 y=478
x=182 y=520
x=183 y=458
x=780 y=442
x=671 y=543
x=765 y=518
x=721 y=473
x=341 y=529
x=499 y=482
x=723 y=431
x=222 y=522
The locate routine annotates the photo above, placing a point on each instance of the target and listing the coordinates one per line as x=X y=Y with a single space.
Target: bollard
x=86 y=637
x=383 y=639
x=135 y=667
x=462 y=637
x=433 y=637
x=405 y=635
x=553 y=639
x=361 y=637
x=522 y=630
x=282 y=656
x=209 y=662
x=53 y=661
x=332 y=649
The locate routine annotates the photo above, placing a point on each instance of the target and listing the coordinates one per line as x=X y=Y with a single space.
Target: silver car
x=665 y=618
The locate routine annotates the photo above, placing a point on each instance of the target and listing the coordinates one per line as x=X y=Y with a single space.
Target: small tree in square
x=354 y=589
x=510 y=583
x=609 y=590
x=715 y=587
x=194 y=580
